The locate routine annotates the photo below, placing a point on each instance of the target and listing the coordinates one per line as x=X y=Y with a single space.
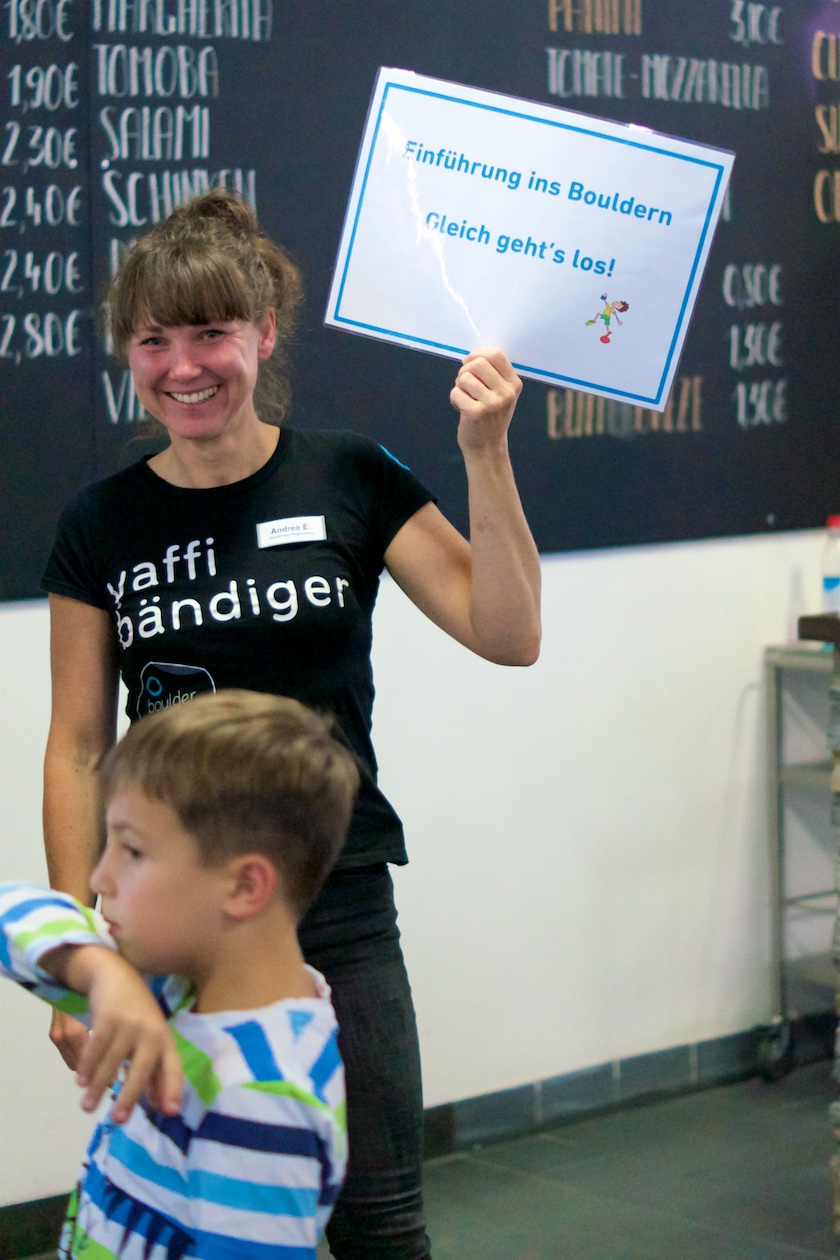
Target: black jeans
x=351 y=935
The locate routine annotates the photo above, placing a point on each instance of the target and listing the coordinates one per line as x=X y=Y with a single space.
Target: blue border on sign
x=541 y=373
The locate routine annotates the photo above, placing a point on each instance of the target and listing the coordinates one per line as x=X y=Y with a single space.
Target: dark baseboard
x=765 y=1051
x=30 y=1229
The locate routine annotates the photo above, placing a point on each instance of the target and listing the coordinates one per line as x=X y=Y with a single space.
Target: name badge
x=291 y=529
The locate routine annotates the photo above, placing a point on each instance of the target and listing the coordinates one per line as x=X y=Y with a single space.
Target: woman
x=245 y=554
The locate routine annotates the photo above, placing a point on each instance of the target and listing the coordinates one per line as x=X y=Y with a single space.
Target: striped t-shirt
x=253 y=1164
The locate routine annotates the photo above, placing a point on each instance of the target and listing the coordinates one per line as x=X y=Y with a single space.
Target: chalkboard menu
x=117 y=110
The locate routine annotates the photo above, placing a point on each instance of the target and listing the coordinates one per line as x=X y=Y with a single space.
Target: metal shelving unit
x=797 y=686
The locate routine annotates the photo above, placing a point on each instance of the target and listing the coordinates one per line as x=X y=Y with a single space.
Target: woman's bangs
x=178 y=291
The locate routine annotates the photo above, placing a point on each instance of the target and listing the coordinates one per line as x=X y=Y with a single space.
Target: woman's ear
x=254 y=882
x=267 y=329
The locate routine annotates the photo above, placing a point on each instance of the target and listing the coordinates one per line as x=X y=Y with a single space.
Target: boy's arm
x=48 y=937
x=127 y=1026
x=35 y=920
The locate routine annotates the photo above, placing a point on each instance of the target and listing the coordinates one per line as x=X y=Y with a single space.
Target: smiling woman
x=202 y=309
x=245 y=554
x=199 y=382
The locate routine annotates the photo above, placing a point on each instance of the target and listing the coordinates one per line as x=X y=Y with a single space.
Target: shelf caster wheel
x=775 y=1053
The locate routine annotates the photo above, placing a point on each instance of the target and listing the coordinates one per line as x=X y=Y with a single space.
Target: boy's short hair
x=246 y=772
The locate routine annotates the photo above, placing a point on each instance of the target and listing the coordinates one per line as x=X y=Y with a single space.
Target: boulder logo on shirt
x=163 y=685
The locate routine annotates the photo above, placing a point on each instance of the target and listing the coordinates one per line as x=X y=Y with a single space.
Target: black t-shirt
x=268 y=583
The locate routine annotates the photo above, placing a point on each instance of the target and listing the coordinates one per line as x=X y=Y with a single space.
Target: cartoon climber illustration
x=609 y=312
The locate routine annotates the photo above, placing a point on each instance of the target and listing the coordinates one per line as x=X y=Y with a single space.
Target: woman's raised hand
x=484 y=395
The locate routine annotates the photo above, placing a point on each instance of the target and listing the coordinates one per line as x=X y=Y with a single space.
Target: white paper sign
x=574 y=243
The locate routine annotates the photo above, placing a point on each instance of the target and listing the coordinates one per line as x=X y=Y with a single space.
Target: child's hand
x=126 y=1025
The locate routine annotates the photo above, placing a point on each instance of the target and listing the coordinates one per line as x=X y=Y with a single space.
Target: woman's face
x=199 y=381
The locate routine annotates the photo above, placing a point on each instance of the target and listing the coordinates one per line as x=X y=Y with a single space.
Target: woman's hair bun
x=220 y=206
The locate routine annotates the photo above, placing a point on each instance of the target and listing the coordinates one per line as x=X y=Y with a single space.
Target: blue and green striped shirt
x=253 y=1164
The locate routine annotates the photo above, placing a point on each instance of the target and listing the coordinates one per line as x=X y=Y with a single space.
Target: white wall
x=43 y=1130
x=589 y=874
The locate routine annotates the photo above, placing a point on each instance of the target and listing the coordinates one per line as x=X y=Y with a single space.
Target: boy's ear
x=253 y=884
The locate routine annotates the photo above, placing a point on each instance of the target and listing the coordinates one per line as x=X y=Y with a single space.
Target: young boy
x=224 y=816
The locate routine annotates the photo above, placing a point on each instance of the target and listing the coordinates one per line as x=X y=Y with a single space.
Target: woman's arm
x=82 y=728
x=485 y=593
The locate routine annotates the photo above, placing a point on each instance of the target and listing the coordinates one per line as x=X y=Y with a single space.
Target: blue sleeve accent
x=394 y=458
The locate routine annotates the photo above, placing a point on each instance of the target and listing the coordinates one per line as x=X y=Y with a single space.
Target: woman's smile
x=200 y=396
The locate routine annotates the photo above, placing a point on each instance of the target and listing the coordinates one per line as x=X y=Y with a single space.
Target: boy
x=223 y=816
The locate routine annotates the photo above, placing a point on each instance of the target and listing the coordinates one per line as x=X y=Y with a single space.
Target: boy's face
x=164 y=905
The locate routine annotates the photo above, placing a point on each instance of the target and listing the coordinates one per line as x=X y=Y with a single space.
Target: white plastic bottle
x=831 y=567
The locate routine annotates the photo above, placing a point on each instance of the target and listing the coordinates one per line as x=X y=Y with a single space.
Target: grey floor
x=738 y=1172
